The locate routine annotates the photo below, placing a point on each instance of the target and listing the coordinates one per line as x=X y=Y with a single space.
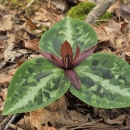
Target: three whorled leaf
x=71 y=30
x=105 y=81
x=105 y=78
x=36 y=84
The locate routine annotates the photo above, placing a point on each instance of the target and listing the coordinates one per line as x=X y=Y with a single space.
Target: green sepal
x=105 y=81
x=76 y=32
x=36 y=84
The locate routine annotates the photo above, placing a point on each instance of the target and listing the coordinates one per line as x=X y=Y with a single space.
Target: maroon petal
x=49 y=56
x=77 y=53
x=83 y=55
x=57 y=59
x=73 y=78
x=66 y=50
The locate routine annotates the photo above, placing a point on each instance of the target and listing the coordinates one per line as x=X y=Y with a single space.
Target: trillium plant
x=67 y=62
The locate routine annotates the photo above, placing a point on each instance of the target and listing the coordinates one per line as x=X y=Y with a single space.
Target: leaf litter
x=20 y=32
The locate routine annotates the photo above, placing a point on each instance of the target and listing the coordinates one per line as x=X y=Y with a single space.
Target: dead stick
x=3 y=123
x=99 y=10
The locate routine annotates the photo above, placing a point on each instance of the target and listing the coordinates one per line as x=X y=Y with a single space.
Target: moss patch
x=81 y=10
x=107 y=15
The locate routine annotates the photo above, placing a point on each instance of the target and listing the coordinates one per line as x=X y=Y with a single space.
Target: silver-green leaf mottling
x=105 y=78
x=36 y=84
x=74 y=31
x=105 y=81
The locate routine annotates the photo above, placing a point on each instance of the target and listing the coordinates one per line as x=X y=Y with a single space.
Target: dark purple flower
x=68 y=62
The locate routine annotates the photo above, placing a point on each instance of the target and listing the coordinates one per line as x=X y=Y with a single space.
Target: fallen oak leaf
x=127 y=53
x=1 y=104
x=49 y=16
x=3 y=93
x=6 y=22
x=118 y=121
x=39 y=117
x=32 y=44
x=101 y=33
x=5 y=78
x=12 y=72
x=30 y=23
x=47 y=128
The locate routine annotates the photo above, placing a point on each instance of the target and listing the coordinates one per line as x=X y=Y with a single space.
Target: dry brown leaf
x=19 y=34
x=45 y=15
x=30 y=23
x=14 y=127
x=122 y=13
x=6 y=22
x=23 y=34
x=112 y=29
x=1 y=47
x=127 y=121
x=60 y=4
x=104 y=113
x=102 y=36
x=19 y=62
x=17 y=53
x=124 y=27
x=118 y=121
x=127 y=53
x=119 y=42
x=3 y=93
x=23 y=123
x=47 y=128
x=8 y=47
x=106 y=116
x=2 y=7
x=12 y=72
x=112 y=24
x=32 y=44
x=114 y=6
x=56 y=113
x=36 y=118
x=126 y=7
x=1 y=104
x=5 y=78
x=40 y=17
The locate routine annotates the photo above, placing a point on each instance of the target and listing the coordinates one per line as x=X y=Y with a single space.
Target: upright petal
x=50 y=58
x=66 y=50
x=57 y=59
x=73 y=78
x=77 y=53
x=83 y=55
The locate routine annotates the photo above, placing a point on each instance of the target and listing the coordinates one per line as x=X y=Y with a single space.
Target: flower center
x=67 y=60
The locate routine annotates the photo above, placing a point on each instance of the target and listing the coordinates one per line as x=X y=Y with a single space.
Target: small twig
x=120 y=50
x=47 y=24
x=11 y=120
x=2 y=124
x=104 y=40
x=124 y=112
x=101 y=20
x=79 y=125
x=29 y=4
x=49 y=3
x=85 y=124
x=9 y=61
x=99 y=10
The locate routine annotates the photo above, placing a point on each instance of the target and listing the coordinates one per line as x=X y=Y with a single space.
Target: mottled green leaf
x=105 y=81
x=72 y=30
x=36 y=84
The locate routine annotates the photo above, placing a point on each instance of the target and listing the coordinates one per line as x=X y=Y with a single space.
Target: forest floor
x=21 y=26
